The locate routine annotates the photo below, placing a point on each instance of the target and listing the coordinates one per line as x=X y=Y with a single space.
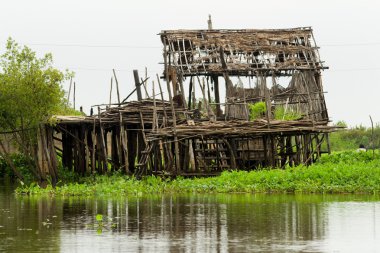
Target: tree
x=30 y=93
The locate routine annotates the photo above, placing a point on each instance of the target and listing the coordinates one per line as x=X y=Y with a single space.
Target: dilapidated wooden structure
x=199 y=122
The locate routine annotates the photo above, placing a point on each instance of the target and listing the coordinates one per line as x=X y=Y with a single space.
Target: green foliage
x=281 y=114
x=349 y=139
x=341 y=123
x=257 y=110
x=30 y=93
x=103 y=223
x=99 y=217
x=22 y=163
x=349 y=157
x=29 y=87
x=345 y=172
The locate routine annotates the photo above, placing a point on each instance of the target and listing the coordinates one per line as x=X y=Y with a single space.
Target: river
x=190 y=223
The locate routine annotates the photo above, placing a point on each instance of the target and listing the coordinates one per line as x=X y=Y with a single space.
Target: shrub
x=257 y=110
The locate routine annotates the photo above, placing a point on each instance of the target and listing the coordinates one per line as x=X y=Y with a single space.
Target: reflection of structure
x=200 y=223
x=186 y=137
x=28 y=224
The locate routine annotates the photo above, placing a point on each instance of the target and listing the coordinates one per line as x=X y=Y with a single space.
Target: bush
x=257 y=110
x=22 y=163
x=349 y=139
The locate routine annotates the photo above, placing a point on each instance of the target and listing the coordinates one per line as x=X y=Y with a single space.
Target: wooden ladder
x=142 y=165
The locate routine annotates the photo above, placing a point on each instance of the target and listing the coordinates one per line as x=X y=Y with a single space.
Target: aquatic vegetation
x=345 y=172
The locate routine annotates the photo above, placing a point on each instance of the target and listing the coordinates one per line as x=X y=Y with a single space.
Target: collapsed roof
x=247 y=52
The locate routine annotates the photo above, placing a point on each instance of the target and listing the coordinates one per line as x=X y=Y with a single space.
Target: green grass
x=345 y=172
x=281 y=114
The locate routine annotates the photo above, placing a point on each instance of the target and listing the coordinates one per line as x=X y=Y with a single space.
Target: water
x=191 y=223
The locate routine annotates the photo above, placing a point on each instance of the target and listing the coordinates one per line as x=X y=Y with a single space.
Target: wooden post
x=282 y=151
x=176 y=148
x=208 y=91
x=189 y=106
x=103 y=143
x=132 y=148
x=68 y=94
x=162 y=99
x=191 y=155
x=74 y=94
x=93 y=138
x=268 y=104
x=193 y=96
x=82 y=149
x=289 y=150
x=216 y=94
x=305 y=149
x=272 y=151
x=327 y=137
x=110 y=93
x=265 y=146
x=76 y=150
x=298 y=150
x=87 y=149
x=117 y=86
x=46 y=147
x=124 y=143
x=372 y=137
x=115 y=151
x=182 y=92
x=137 y=84
x=144 y=82
x=209 y=22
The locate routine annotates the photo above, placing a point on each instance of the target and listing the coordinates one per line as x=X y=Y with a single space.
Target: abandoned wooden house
x=172 y=132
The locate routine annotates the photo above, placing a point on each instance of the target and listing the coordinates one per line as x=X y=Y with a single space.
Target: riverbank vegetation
x=344 y=172
x=30 y=93
x=351 y=138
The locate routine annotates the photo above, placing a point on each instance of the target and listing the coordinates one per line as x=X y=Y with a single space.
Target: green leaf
x=99 y=217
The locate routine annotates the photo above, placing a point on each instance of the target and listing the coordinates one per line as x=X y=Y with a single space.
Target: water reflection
x=194 y=223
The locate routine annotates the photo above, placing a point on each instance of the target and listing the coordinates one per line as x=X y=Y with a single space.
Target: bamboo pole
x=162 y=98
x=103 y=143
x=74 y=94
x=68 y=94
x=124 y=143
x=110 y=93
x=176 y=148
x=117 y=86
x=93 y=135
x=137 y=84
x=372 y=137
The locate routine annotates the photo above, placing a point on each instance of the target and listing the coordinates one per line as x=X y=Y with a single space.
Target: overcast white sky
x=91 y=37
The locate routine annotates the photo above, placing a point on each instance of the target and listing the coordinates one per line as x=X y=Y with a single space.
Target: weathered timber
x=178 y=137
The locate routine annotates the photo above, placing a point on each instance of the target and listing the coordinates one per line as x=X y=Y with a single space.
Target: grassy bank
x=345 y=172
